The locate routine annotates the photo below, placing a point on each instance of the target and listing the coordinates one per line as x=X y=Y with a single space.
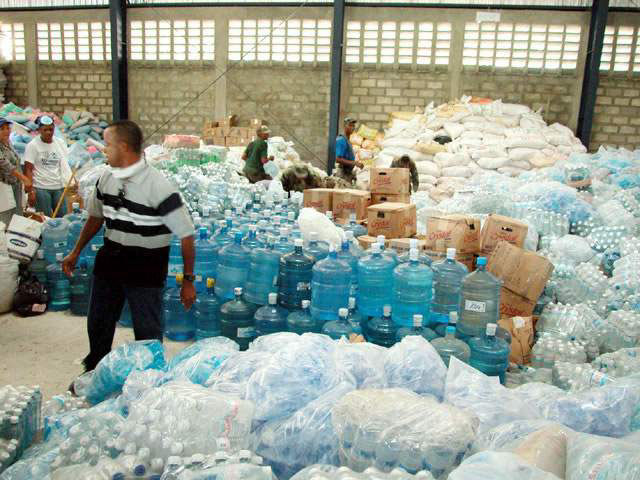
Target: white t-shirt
x=50 y=166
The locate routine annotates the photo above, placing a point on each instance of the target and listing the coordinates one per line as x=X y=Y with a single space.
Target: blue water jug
x=94 y=246
x=340 y=328
x=417 y=328
x=233 y=268
x=206 y=260
x=300 y=321
x=447 y=284
x=348 y=257
x=283 y=245
x=222 y=237
x=54 y=238
x=251 y=242
x=207 y=313
x=179 y=325
x=422 y=257
x=59 y=287
x=489 y=354
x=354 y=318
x=263 y=274
x=76 y=213
x=353 y=226
x=441 y=328
x=316 y=248
x=330 y=287
x=76 y=219
x=479 y=301
x=38 y=267
x=449 y=346
x=271 y=318
x=175 y=261
x=80 y=289
x=375 y=282
x=389 y=252
x=381 y=330
x=237 y=321
x=294 y=277
x=412 y=284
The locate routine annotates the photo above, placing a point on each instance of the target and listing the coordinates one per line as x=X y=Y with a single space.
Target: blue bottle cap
x=482 y=261
x=451 y=330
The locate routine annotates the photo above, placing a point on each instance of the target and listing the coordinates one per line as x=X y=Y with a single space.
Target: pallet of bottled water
x=19 y=421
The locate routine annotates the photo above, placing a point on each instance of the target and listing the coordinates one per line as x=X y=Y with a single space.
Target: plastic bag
x=508 y=436
x=310 y=220
x=591 y=456
x=546 y=449
x=197 y=362
x=363 y=362
x=233 y=375
x=498 y=466
x=330 y=472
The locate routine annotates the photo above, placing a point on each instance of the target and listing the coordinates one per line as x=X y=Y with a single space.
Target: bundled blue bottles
x=179 y=325
x=447 y=284
x=175 y=261
x=330 y=287
x=375 y=282
x=263 y=274
x=59 y=287
x=80 y=289
x=479 y=301
x=38 y=267
x=233 y=268
x=489 y=354
x=348 y=257
x=412 y=284
x=316 y=248
x=449 y=346
x=207 y=313
x=381 y=330
x=271 y=318
x=237 y=320
x=418 y=328
x=340 y=328
x=206 y=260
x=300 y=321
x=54 y=238
x=294 y=277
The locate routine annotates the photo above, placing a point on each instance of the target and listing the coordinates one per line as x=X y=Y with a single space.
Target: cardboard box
x=319 y=198
x=366 y=241
x=390 y=197
x=461 y=232
x=523 y=272
x=514 y=305
x=389 y=180
x=220 y=141
x=232 y=141
x=230 y=121
x=467 y=259
x=402 y=245
x=521 y=330
x=393 y=220
x=254 y=123
x=497 y=228
x=346 y=202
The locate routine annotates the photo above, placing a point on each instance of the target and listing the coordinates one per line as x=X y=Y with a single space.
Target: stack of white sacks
x=497 y=136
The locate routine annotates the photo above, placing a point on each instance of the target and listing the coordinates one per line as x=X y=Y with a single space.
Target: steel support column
x=598 y=24
x=336 y=80
x=119 y=77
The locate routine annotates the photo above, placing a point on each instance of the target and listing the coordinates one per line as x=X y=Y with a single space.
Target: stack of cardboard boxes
x=228 y=133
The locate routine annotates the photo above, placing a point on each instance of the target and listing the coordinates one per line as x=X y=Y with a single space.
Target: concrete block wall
x=16 y=90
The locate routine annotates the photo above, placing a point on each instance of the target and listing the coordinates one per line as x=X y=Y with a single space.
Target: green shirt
x=255 y=151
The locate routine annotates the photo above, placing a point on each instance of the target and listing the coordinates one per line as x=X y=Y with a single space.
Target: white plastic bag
x=310 y=220
x=9 y=283
x=428 y=168
x=498 y=466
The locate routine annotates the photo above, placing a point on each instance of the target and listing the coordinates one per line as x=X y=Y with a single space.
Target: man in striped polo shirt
x=140 y=209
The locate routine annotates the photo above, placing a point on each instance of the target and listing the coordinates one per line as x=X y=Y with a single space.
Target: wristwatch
x=189 y=278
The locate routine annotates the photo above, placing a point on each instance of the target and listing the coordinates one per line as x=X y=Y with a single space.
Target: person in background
x=141 y=210
x=299 y=177
x=255 y=156
x=11 y=178
x=345 y=158
x=46 y=165
x=405 y=162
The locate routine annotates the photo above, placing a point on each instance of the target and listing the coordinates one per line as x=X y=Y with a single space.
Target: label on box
x=474 y=306
x=246 y=332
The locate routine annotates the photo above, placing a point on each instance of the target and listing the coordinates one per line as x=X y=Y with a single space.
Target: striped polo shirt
x=140 y=214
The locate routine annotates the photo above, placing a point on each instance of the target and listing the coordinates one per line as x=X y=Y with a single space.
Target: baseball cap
x=44 y=120
x=264 y=129
x=349 y=120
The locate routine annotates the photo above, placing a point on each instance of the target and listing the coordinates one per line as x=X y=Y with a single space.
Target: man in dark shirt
x=345 y=158
x=405 y=162
x=255 y=156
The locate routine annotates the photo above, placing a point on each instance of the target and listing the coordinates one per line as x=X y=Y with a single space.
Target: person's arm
x=264 y=153
x=245 y=154
x=28 y=172
x=91 y=227
x=342 y=148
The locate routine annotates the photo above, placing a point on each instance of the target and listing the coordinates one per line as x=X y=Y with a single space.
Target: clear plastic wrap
x=198 y=361
x=398 y=428
x=572 y=249
x=233 y=375
x=508 y=436
x=364 y=362
x=546 y=449
x=498 y=466
x=591 y=456
x=330 y=472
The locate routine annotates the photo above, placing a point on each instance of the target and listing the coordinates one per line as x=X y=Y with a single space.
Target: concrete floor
x=47 y=350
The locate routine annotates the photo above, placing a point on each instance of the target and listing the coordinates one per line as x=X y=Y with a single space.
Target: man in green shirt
x=255 y=156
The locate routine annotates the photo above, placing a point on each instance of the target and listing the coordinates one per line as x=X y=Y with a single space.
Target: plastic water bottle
x=316 y=248
x=447 y=283
x=38 y=267
x=489 y=354
x=76 y=219
x=80 y=289
x=339 y=328
x=206 y=260
x=233 y=268
x=389 y=252
x=422 y=257
x=207 y=311
x=263 y=274
x=237 y=320
x=355 y=319
x=417 y=329
x=353 y=226
x=175 y=261
x=294 y=277
x=479 y=301
x=347 y=256
x=441 y=328
x=179 y=325
x=412 y=285
x=222 y=237
x=375 y=282
x=54 y=238
x=283 y=245
x=271 y=318
x=125 y=316
x=449 y=346
x=59 y=287
x=251 y=241
x=300 y=321
x=330 y=286
x=381 y=330
x=95 y=244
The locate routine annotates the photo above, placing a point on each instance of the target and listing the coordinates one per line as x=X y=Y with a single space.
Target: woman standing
x=10 y=176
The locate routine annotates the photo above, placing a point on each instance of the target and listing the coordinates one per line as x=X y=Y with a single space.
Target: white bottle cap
x=306 y=303
x=343 y=312
x=174 y=460
x=273 y=298
x=451 y=253
x=291 y=215
x=59 y=257
x=75 y=205
x=375 y=248
x=417 y=320
x=491 y=329
x=197 y=458
x=284 y=231
x=332 y=248
x=413 y=243
x=227 y=213
x=237 y=291
x=352 y=303
x=329 y=214
x=298 y=242
x=349 y=235
x=386 y=310
x=157 y=464
x=381 y=239
x=253 y=215
x=253 y=227
x=413 y=255
x=222 y=223
x=453 y=317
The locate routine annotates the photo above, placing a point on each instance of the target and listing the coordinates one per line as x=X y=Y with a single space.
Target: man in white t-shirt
x=45 y=163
